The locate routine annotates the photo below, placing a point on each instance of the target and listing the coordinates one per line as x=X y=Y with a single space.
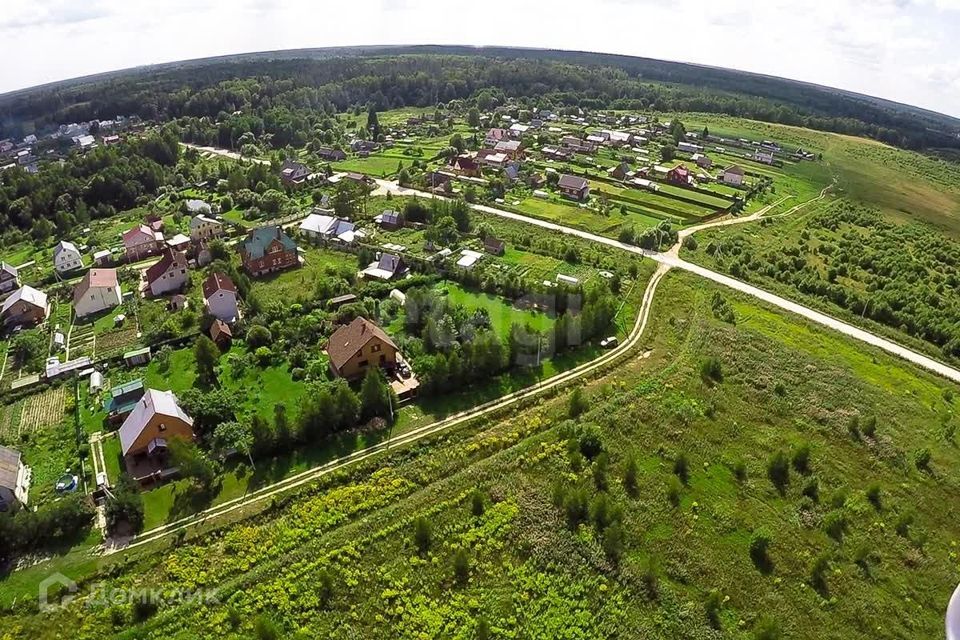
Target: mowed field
x=904 y=184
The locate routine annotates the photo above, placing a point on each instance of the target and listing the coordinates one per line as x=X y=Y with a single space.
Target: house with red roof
x=141 y=242
x=169 y=274
x=220 y=297
x=679 y=175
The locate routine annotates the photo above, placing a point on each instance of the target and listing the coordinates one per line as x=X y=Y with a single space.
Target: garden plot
x=82 y=341
x=10 y=422
x=44 y=410
x=117 y=341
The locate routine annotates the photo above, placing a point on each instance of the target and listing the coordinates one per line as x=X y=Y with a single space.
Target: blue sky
x=904 y=50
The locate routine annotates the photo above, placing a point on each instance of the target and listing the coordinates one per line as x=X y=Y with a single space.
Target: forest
x=284 y=88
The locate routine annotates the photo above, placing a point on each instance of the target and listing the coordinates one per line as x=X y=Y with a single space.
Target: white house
x=203 y=227
x=66 y=257
x=220 y=297
x=733 y=175
x=99 y=290
x=764 y=156
x=169 y=274
x=317 y=225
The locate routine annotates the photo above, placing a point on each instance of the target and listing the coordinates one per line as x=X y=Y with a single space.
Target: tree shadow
x=189 y=499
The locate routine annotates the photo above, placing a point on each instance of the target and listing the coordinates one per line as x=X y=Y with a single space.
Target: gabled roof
x=349 y=339
x=62 y=246
x=572 y=182
x=28 y=294
x=152 y=403
x=497 y=134
x=507 y=145
x=326 y=225
x=390 y=216
x=140 y=229
x=9 y=467
x=215 y=282
x=734 y=169
x=259 y=239
x=105 y=278
x=218 y=329
x=199 y=219
x=390 y=262
x=9 y=268
x=170 y=260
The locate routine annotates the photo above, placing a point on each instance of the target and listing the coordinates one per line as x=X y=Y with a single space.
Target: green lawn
x=298 y=283
x=502 y=313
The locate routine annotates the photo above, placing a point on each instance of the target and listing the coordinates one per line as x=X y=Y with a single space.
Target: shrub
x=590 y=441
x=576 y=461
x=600 y=511
x=921 y=459
x=711 y=370
x=801 y=459
x=576 y=507
x=600 y=466
x=578 y=402
x=422 y=534
x=143 y=608
x=861 y=556
x=760 y=543
x=873 y=495
x=461 y=566
x=559 y=493
x=673 y=491
x=713 y=604
x=681 y=468
x=853 y=427
x=812 y=489
x=483 y=627
x=767 y=629
x=650 y=579
x=818 y=573
x=869 y=427
x=630 y=476
x=835 y=524
x=613 y=542
x=477 y=506
x=740 y=471
x=778 y=470
x=266 y=629
x=903 y=524
x=690 y=243
x=258 y=336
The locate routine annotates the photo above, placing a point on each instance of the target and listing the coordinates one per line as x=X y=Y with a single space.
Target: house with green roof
x=268 y=249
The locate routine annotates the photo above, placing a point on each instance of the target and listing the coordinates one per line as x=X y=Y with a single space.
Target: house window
x=362 y=363
x=162 y=427
x=375 y=348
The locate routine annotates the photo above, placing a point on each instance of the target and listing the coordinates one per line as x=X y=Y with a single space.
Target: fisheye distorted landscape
x=450 y=342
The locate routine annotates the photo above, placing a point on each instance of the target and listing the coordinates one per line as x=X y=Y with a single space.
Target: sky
x=903 y=50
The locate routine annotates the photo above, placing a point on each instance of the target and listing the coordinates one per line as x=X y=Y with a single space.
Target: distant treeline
x=426 y=76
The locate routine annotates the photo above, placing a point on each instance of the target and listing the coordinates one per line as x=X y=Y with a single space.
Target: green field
x=681 y=539
x=502 y=314
x=298 y=283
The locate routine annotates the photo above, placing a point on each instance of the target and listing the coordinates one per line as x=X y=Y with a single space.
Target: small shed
x=221 y=335
x=96 y=382
x=179 y=302
x=137 y=357
x=339 y=301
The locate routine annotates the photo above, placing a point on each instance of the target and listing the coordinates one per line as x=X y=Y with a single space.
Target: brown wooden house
x=356 y=347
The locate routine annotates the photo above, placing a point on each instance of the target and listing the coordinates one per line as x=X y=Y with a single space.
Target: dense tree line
x=289 y=98
x=55 y=524
x=94 y=185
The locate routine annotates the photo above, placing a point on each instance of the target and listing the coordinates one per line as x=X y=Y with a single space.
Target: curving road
x=672 y=259
x=667 y=261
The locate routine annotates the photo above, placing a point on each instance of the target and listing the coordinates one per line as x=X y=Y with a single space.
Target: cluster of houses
x=80 y=136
